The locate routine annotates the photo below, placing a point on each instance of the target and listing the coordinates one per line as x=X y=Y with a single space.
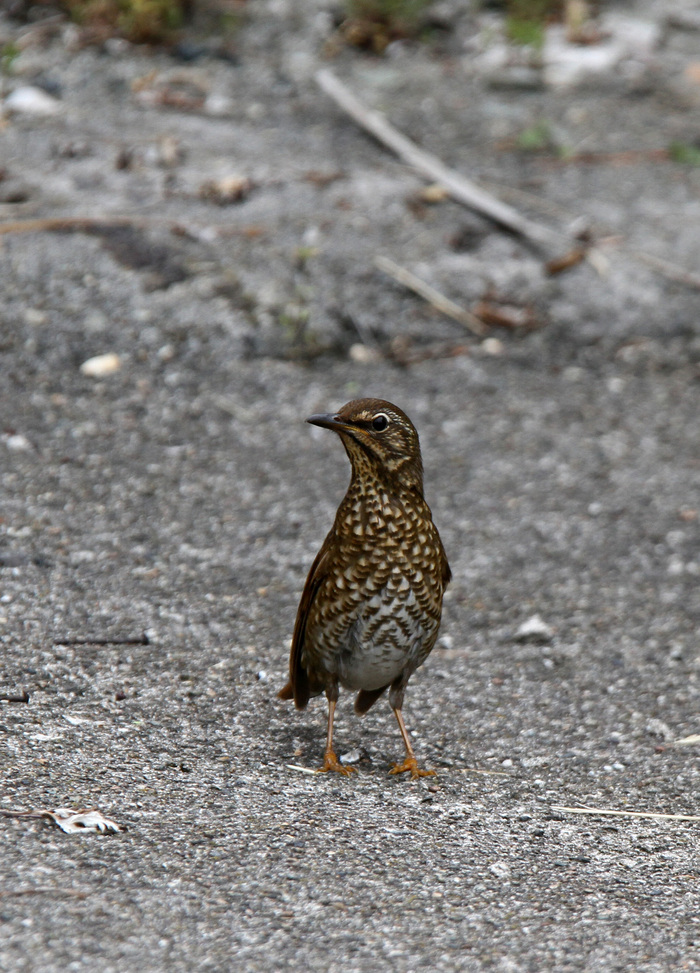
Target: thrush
x=371 y=606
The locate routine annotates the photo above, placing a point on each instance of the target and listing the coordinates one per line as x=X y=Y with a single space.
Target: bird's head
x=378 y=437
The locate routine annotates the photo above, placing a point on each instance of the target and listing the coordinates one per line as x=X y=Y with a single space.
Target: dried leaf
x=229 y=189
x=505 y=315
x=86 y=819
x=72 y=822
x=559 y=264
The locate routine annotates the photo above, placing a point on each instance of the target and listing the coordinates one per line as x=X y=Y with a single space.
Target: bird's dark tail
x=297 y=690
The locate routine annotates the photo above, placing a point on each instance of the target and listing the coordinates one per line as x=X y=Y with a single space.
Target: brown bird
x=371 y=606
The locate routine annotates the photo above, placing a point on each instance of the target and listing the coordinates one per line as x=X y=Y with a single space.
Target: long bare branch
x=461 y=189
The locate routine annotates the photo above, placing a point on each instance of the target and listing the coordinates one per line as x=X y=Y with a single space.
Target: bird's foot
x=331 y=762
x=410 y=765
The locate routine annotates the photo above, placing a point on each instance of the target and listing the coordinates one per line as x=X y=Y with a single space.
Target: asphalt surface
x=157 y=522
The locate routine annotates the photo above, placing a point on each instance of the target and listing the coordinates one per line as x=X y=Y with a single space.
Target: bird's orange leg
x=330 y=761
x=410 y=764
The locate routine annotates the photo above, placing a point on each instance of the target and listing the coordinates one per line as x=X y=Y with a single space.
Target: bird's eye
x=380 y=422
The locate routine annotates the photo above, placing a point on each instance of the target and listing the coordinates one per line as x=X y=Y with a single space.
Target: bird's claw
x=410 y=765
x=331 y=762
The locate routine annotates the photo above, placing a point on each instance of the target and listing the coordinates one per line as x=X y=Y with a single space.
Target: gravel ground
x=157 y=522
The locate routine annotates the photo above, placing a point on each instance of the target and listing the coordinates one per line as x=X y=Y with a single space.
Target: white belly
x=380 y=644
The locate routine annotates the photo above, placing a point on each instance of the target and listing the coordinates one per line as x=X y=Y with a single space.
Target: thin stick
x=461 y=189
x=438 y=300
x=100 y=224
x=67 y=224
x=44 y=890
x=668 y=269
x=476 y=770
x=654 y=815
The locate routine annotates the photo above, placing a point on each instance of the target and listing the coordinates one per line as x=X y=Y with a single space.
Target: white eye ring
x=380 y=422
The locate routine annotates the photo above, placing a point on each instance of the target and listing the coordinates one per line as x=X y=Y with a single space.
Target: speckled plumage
x=370 y=610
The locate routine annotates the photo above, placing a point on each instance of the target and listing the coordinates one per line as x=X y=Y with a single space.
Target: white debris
x=492 y=346
x=693 y=740
x=101 y=365
x=535 y=629
x=500 y=870
x=29 y=100
x=17 y=442
x=658 y=728
x=623 y=39
x=363 y=354
x=84 y=820
x=218 y=105
x=72 y=822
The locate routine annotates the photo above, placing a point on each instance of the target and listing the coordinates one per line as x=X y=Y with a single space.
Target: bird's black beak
x=328 y=420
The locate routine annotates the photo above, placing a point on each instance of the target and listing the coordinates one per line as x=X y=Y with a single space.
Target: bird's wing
x=446 y=571
x=298 y=686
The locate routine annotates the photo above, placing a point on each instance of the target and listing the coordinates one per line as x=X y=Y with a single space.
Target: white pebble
x=535 y=629
x=18 y=442
x=492 y=346
x=101 y=365
x=34 y=317
x=30 y=100
x=500 y=870
x=363 y=355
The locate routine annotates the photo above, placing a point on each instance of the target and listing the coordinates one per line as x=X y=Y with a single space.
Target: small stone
x=169 y=152
x=18 y=443
x=29 y=100
x=351 y=757
x=101 y=365
x=34 y=317
x=363 y=354
x=500 y=870
x=535 y=629
x=492 y=346
x=658 y=728
x=14 y=191
x=218 y=105
x=435 y=193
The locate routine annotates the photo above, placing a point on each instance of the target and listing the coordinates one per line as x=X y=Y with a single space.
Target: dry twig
x=654 y=815
x=69 y=224
x=669 y=270
x=461 y=189
x=43 y=890
x=434 y=297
